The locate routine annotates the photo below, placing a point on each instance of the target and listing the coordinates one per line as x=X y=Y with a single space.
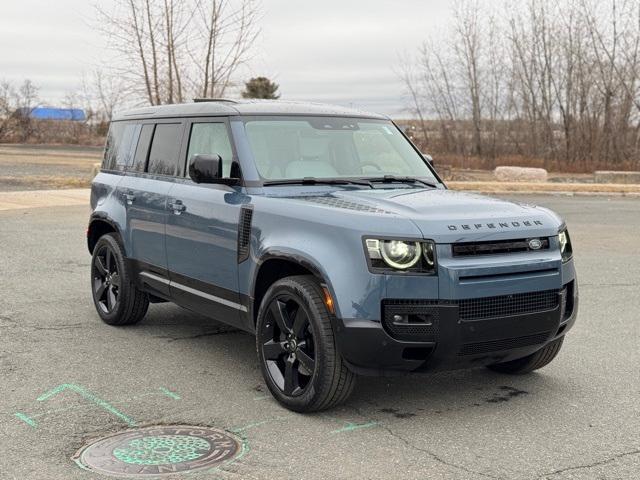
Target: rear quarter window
x=118 y=149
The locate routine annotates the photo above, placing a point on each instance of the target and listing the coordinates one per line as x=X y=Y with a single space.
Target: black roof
x=218 y=107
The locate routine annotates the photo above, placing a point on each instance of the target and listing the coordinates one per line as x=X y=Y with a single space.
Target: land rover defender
x=326 y=233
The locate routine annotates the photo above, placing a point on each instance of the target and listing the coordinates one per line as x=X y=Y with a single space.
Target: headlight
x=401 y=255
x=565 y=244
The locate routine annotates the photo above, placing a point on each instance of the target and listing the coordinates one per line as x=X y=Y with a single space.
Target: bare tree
x=109 y=91
x=26 y=98
x=545 y=82
x=170 y=49
x=226 y=32
x=6 y=108
x=468 y=51
x=408 y=76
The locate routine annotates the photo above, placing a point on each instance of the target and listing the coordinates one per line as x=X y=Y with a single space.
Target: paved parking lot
x=66 y=378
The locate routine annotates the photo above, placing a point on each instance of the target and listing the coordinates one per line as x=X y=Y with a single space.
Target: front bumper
x=454 y=334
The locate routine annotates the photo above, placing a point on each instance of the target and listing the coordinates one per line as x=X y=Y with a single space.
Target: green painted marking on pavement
x=349 y=427
x=84 y=407
x=26 y=419
x=87 y=395
x=169 y=393
x=255 y=424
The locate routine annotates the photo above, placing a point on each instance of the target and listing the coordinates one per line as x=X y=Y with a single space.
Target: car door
x=144 y=191
x=202 y=230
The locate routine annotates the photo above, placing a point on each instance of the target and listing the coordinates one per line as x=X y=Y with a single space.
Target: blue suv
x=328 y=235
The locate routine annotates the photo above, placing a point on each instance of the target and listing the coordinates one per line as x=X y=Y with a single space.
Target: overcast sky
x=335 y=51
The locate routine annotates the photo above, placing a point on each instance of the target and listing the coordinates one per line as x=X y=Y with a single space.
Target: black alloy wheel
x=288 y=346
x=106 y=279
x=116 y=297
x=296 y=345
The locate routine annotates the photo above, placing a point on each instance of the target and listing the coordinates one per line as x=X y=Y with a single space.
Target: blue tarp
x=52 y=113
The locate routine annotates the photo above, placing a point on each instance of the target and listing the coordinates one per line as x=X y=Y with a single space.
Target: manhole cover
x=154 y=451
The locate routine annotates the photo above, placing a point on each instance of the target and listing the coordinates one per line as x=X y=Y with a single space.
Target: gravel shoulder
x=27 y=167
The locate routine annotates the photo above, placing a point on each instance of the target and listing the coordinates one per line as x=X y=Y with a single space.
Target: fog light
x=400 y=319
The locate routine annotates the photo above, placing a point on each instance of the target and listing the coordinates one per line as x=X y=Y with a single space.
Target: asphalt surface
x=578 y=418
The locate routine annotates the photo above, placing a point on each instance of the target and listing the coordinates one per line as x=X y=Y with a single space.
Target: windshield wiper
x=394 y=179
x=319 y=181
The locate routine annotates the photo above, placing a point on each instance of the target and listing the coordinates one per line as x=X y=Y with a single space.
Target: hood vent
x=336 y=202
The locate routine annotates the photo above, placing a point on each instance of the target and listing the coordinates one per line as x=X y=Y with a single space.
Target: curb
x=44 y=198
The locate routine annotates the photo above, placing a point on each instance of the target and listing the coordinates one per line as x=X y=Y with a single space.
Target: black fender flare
x=103 y=218
x=303 y=261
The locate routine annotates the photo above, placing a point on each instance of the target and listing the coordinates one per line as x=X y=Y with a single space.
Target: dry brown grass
x=44 y=182
x=552 y=166
x=502 y=187
x=41 y=168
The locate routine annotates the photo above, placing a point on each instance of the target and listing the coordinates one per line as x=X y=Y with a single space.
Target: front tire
x=296 y=347
x=117 y=300
x=532 y=362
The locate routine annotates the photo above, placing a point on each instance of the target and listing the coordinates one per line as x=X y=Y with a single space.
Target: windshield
x=331 y=147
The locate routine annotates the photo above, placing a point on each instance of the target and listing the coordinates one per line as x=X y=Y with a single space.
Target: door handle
x=177 y=206
x=129 y=197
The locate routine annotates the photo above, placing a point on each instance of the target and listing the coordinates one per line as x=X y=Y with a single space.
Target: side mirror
x=206 y=168
x=428 y=158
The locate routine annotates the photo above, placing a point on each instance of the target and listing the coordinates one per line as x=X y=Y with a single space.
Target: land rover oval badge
x=535 y=244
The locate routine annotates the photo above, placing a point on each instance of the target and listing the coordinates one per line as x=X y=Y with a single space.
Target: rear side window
x=165 y=148
x=142 y=150
x=118 y=149
x=211 y=139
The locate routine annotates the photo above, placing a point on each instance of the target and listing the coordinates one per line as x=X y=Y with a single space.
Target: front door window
x=211 y=139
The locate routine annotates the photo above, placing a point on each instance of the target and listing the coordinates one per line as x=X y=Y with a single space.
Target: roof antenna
x=203 y=100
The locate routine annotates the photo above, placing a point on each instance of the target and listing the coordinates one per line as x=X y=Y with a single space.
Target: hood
x=447 y=216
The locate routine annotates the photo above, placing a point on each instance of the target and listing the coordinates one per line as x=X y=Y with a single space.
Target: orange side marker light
x=328 y=301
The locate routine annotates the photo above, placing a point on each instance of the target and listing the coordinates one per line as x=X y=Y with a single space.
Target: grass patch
x=500 y=187
x=43 y=182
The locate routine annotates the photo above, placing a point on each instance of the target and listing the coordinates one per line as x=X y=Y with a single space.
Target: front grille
x=421 y=318
x=468 y=249
x=503 y=344
x=508 y=305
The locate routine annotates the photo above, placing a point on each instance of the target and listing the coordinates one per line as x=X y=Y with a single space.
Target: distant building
x=53 y=113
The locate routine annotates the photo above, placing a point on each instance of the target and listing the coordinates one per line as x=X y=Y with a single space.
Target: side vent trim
x=244 y=232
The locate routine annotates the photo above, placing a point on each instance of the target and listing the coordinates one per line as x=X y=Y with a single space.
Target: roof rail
x=202 y=100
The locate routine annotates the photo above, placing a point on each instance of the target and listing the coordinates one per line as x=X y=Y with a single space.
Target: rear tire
x=296 y=347
x=116 y=298
x=532 y=362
